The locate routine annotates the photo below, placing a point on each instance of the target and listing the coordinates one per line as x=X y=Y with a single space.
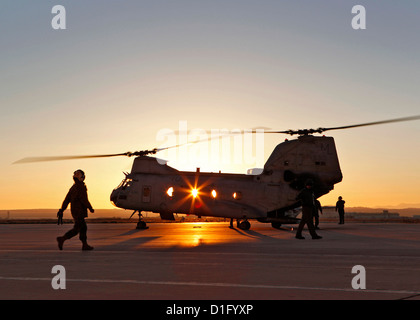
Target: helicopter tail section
x=308 y=157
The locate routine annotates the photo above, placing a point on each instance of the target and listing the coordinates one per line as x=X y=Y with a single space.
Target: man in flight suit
x=79 y=203
x=339 y=206
x=307 y=199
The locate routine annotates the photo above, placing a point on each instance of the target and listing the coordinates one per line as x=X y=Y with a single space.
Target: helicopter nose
x=114 y=197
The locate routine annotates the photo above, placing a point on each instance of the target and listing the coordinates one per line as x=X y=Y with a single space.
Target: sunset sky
x=123 y=71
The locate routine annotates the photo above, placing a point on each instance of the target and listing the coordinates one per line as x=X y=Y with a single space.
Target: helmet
x=82 y=173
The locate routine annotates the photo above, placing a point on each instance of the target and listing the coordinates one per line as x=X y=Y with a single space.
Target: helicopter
x=270 y=196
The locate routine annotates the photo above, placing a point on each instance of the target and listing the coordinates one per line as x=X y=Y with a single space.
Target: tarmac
x=210 y=261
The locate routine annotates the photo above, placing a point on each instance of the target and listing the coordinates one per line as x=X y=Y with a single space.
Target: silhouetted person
x=317 y=208
x=307 y=199
x=339 y=206
x=79 y=203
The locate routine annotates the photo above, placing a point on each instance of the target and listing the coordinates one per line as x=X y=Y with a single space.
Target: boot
x=86 y=247
x=60 y=241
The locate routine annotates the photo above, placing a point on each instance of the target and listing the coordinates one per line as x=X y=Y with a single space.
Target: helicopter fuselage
x=269 y=196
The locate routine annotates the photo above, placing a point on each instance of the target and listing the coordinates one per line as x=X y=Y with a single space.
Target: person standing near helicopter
x=307 y=199
x=339 y=206
x=78 y=199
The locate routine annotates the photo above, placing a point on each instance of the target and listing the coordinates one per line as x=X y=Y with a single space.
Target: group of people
x=78 y=198
x=310 y=211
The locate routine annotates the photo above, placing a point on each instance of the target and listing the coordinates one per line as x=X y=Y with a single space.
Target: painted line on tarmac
x=160 y=253
x=224 y=285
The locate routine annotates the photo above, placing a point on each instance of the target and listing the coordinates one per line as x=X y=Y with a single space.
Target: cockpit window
x=121 y=183
x=125 y=183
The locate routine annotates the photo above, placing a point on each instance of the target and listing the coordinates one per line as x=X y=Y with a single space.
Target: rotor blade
x=214 y=136
x=57 y=158
x=285 y=132
x=198 y=141
x=321 y=130
x=373 y=123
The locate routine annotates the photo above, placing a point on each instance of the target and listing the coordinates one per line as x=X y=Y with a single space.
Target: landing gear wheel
x=141 y=225
x=244 y=225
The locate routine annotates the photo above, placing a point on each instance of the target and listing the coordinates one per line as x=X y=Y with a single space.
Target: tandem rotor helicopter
x=267 y=197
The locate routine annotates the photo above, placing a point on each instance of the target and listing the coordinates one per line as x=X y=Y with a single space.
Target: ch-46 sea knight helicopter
x=267 y=197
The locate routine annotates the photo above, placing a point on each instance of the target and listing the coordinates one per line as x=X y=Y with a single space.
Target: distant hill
x=405 y=205
x=120 y=213
x=406 y=212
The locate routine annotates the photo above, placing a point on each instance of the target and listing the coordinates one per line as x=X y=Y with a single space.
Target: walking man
x=78 y=199
x=307 y=199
